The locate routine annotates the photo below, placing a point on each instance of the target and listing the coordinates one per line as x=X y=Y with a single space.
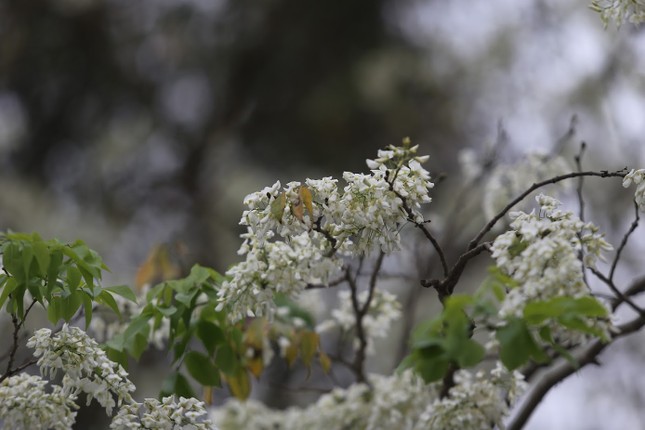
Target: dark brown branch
x=14 y=347
x=446 y=286
x=565 y=369
x=360 y=312
x=620 y=296
x=635 y=289
x=623 y=242
x=581 y=201
x=487 y=228
x=421 y=226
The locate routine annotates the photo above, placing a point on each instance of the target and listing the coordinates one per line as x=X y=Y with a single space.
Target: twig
x=565 y=369
x=421 y=226
x=581 y=200
x=622 y=297
x=360 y=312
x=603 y=174
x=623 y=242
x=446 y=286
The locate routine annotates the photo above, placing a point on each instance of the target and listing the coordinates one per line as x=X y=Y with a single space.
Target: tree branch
x=535 y=186
x=563 y=370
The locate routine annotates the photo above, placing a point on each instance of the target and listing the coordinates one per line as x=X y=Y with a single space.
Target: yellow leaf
x=277 y=206
x=307 y=199
x=254 y=339
x=308 y=346
x=325 y=362
x=240 y=384
x=160 y=265
x=298 y=211
x=208 y=395
x=255 y=366
x=254 y=333
x=292 y=351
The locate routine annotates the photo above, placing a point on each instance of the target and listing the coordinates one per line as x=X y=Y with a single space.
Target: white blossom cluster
x=620 y=11
x=637 y=177
x=401 y=401
x=384 y=310
x=507 y=182
x=85 y=365
x=393 y=402
x=26 y=405
x=298 y=234
x=477 y=401
x=541 y=253
x=167 y=414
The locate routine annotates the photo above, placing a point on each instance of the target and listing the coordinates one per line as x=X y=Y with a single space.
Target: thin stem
x=622 y=297
x=623 y=242
x=565 y=369
x=487 y=228
x=360 y=312
x=581 y=202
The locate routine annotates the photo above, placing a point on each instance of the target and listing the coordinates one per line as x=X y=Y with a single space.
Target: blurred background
x=132 y=124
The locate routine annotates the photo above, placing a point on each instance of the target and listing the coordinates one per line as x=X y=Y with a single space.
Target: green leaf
x=55 y=261
x=71 y=304
x=27 y=258
x=137 y=344
x=123 y=291
x=54 y=310
x=167 y=311
x=517 y=345
x=87 y=308
x=9 y=284
x=278 y=205
x=106 y=298
x=469 y=354
x=201 y=369
x=210 y=334
x=226 y=359
x=433 y=370
x=177 y=384
x=73 y=278
x=41 y=251
x=138 y=325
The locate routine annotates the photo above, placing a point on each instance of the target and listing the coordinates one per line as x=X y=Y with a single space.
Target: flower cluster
x=85 y=365
x=393 y=402
x=383 y=311
x=169 y=414
x=638 y=178
x=541 y=253
x=298 y=234
x=401 y=401
x=477 y=401
x=620 y=11
x=507 y=182
x=25 y=405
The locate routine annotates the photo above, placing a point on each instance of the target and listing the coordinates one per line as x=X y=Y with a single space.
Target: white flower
x=384 y=310
x=298 y=234
x=85 y=365
x=187 y=414
x=477 y=401
x=400 y=401
x=620 y=11
x=638 y=178
x=25 y=405
x=540 y=252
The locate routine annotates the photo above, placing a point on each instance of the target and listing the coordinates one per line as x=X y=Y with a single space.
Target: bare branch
x=557 y=374
x=623 y=242
x=487 y=228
